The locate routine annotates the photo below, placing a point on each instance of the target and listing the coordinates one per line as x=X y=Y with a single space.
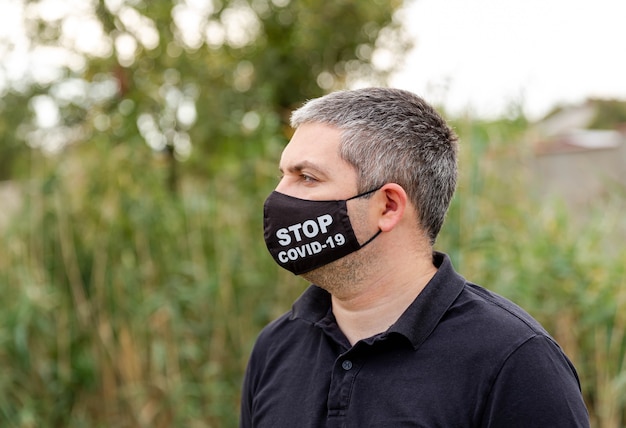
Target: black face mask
x=303 y=234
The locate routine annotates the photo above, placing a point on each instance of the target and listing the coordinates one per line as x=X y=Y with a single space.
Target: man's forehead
x=312 y=145
x=315 y=135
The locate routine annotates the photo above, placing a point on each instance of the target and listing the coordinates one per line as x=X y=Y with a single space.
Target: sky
x=478 y=56
x=484 y=56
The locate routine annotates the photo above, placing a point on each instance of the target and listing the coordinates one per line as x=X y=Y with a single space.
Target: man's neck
x=380 y=303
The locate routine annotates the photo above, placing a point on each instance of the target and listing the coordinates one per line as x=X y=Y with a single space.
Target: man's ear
x=392 y=206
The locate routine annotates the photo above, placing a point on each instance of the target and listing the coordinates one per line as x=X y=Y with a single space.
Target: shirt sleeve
x=537 y=387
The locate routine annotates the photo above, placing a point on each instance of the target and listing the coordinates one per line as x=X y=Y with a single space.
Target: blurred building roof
x=580 y=140
x=568 y=130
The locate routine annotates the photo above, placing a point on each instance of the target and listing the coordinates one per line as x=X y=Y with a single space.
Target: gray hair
x=393 y=136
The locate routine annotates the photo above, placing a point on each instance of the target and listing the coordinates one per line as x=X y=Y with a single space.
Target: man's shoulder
x=494 y=321
x=500 y=309
x=275 y=328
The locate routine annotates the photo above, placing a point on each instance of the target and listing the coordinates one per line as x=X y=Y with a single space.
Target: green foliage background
x=133 y=274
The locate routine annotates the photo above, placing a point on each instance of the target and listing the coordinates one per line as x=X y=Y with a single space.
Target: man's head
x=393 y=136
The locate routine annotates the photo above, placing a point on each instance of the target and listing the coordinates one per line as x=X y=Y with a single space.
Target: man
x=389 y=335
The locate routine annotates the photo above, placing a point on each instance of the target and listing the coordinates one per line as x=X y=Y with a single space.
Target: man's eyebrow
x=298 y=167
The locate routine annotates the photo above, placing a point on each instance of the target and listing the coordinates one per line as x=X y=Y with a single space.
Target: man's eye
x=307 y=178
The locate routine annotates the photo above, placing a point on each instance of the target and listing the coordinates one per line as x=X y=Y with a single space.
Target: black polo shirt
x=459 y=356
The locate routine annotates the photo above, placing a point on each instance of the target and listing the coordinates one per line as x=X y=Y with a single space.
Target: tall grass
x=566 y=267
x=126 y=305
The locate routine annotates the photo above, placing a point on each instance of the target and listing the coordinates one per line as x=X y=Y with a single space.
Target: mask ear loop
x=360 y=195
x=372 y=238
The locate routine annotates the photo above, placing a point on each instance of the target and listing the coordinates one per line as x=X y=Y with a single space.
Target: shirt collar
x=419 y=319
x=423 y=315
